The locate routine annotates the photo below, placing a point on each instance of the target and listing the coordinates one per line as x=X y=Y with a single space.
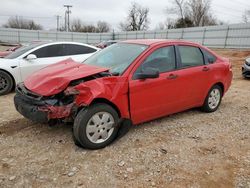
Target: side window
x=49 y=51
x=191 y=56
x=74 y=49
x=162 y=59
x=210 y=57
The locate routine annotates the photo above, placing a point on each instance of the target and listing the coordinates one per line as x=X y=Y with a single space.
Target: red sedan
x=128 y=83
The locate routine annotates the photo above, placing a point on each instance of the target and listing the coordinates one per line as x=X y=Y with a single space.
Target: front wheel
x=95 y=127
x=213 y=99
x=6 y=83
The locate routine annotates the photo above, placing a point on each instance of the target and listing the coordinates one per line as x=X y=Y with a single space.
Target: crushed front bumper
x=40 y=110
x=30 y=111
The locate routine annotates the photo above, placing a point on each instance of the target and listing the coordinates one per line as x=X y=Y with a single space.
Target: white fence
x=224 y=36
x=25 y=36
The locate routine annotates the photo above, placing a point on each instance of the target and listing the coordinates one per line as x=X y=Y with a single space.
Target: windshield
x=117 y=57
x=22 y=50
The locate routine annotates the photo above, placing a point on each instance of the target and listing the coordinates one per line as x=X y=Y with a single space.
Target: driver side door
x=153 y=98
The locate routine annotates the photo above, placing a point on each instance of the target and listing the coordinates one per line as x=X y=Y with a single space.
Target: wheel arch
x=221 y=86
x=12 y=77
x=103 y=100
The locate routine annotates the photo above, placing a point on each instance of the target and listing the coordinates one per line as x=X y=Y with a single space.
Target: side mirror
x=31 y=57
x=147 y=73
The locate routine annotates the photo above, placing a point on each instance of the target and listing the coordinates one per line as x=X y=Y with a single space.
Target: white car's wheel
x=6 y=83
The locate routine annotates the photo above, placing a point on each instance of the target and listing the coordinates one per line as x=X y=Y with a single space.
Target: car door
x=44 y=56
x=195 y=72
x=153 y=98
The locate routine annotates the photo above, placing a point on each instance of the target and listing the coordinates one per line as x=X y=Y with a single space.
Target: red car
x=128 y=83
x=9 y=51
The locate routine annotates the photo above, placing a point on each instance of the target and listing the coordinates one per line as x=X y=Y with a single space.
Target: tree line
x=182 y=14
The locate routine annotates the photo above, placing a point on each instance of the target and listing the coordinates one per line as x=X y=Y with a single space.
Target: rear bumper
x=246 y=71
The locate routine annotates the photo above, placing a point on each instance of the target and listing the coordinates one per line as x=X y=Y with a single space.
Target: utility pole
x=57 y=22
x=67 y=12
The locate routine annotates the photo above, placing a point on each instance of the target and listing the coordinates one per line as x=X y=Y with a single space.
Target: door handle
x=172 y=76
x=205 y=69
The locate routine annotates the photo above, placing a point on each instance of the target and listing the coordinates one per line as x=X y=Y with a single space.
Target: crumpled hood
x=55 y=78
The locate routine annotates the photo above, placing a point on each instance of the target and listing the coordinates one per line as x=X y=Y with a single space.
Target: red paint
x=55 y=78
x=138 y=100
x=57 y=112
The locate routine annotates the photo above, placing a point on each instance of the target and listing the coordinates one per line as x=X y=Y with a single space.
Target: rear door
x=196 y=73
x=153 y=98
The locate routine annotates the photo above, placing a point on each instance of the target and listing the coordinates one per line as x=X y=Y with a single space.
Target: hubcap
x=214 y=98
x=100 y=127
x=3 y=83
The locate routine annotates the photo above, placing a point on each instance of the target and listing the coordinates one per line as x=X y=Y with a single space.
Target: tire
x=95 y=127
x=6 y=83
x=213 y=99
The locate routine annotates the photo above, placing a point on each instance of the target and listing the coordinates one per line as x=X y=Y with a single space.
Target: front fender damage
x=64 y=106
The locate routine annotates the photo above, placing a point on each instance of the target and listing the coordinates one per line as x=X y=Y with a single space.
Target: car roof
x=152 y=42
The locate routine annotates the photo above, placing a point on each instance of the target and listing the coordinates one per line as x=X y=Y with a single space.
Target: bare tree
x=20 y=23
x=102 y=27
x=246 y=16
x=137 y=19
x=179 y=9
x=76 y=25
x=169 y=23
x=89 y=29
x=192 y=13
x=199 y=12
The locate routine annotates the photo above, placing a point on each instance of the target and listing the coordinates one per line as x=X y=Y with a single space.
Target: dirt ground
x=188 y=149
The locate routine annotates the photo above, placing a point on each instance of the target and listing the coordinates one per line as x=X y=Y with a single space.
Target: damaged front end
x=62 y=106
x=44 y=109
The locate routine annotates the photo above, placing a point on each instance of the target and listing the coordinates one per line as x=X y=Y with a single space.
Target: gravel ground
x=188 y=149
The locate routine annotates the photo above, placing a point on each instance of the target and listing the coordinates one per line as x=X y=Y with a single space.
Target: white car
x=15 y=67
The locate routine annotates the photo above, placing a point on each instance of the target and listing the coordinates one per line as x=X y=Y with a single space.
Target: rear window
x=210 y=57
x=191 y=56
x=74 y=49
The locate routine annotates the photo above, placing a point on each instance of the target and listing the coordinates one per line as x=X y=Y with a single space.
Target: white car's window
x=74 y=49
x=50 y=51
x=22 y=50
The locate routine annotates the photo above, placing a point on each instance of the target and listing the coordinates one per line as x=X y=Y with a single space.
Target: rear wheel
x=213 y=99
x=96 y=126
x=6 y=83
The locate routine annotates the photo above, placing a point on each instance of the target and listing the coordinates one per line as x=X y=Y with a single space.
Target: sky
x=112 y=11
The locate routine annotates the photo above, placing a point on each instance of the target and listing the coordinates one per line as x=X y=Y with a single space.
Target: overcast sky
x=112 y=11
